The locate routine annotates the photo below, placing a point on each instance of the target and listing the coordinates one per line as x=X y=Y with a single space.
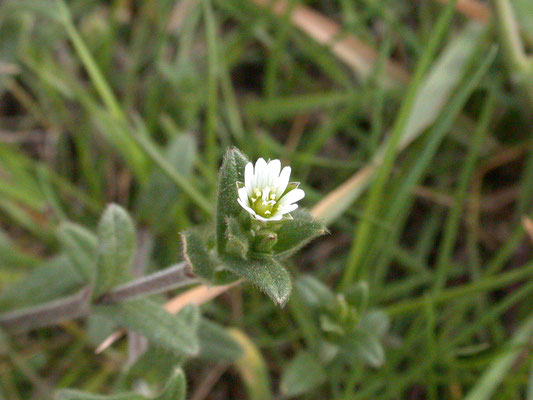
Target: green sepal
x=116 y=248
x=237 y=240
x=197 y=255
x=267 y=274
x=80 y=246
x=264 y=242
x=295 y=233
x=231 y=172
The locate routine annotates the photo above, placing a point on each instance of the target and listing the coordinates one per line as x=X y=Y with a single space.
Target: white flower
x=266 y=193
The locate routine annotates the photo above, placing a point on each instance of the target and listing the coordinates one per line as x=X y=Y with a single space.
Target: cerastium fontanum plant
x=258 y=225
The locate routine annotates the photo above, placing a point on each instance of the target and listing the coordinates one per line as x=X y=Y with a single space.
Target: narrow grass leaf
x=487 y=385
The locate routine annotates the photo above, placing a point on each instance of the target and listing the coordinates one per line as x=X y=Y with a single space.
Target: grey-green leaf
x=116 y=248
x=368 y=347
x=174 y=332
x=176 y=387
x=296 y=233
x=231 y=172
x=80 y=246
x=267 y=274
x=375 y=322
x=68 y=394
x=216 y=344
x=303 y=374
x=51 y=280
x=315 y=293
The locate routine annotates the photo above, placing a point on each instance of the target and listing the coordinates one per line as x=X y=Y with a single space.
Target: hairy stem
x=161 y=281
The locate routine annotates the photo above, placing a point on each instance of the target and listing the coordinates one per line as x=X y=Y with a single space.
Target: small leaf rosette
x=258 y=224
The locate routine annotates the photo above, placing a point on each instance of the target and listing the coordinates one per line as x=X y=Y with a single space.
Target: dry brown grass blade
x=473 y=9
x=347 y=47
x=329 y=208
x=527 y=223
x=198 y=295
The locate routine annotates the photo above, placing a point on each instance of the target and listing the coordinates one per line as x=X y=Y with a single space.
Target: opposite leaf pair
x=251 y=244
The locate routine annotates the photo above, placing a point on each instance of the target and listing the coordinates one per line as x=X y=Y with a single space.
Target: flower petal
x=283 y=181
x=274 y=166
x=260 y=173
x=248 y=176
x=276 y=217
x=243 y=196
x=259 y=218
x=288 y=208
x=291 y=197
x=252 y=212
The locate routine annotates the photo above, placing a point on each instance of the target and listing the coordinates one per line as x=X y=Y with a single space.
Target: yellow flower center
x=264 y=202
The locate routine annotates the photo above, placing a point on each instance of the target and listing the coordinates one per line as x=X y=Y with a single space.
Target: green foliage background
x=409 y=128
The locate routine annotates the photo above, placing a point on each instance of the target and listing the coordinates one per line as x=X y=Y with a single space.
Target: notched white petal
x=243 y=196
x=289 y=208
x=283 y=180
x=248 y=176
x=291 y=197
x=274 y=166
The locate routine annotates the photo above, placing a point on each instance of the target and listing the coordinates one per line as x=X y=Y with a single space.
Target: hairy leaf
x=53 y=279
x=296 y=233
x=231 y=172
x=80 y=246
x=303 y=374
x=68 y=394
x=267 y=274
x=176 y=387
x=174 y=332
x=216 y=344
x=116 y=247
